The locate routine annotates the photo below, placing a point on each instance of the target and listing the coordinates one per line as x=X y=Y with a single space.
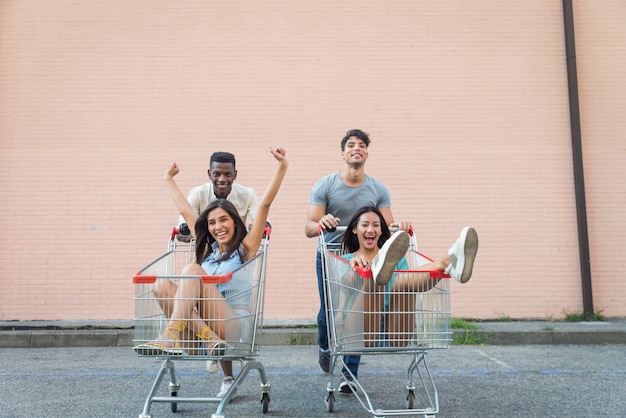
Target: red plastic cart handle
x=143 y=279
x=224 y=278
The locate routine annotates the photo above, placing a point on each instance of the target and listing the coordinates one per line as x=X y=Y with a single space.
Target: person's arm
x=179 y=199
x=386 y=212
x=317 y=217
x=195 y=199
x=253 y=207
x=403 y=225
x=253 y=239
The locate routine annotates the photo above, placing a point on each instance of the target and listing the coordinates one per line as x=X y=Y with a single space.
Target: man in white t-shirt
x=222 y=173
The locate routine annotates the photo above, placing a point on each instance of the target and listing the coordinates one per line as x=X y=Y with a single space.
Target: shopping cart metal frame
x=431 y=329
x=150 y=321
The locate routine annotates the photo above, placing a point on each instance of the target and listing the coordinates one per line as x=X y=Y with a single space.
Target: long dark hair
x=204 y=239
x=350 y=241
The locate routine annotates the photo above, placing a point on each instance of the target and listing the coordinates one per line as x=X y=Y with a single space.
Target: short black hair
x=222 y=157
x=358 y=134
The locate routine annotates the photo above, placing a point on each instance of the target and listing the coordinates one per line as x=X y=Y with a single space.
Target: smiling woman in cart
x=222 y=245
x=367 y=244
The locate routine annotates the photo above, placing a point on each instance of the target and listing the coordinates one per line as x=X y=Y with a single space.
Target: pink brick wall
x=466 y=103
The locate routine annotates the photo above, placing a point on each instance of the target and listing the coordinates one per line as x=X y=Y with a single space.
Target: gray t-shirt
x=343 y=201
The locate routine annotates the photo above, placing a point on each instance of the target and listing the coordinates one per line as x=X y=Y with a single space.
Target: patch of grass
x=547 y=328
x=295 y=339
x=580 y=316
x=460 y=323
x=574 y=316
x=469 y=337
x=472 y=334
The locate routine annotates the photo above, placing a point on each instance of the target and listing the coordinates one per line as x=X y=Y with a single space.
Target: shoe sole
x=150 y=350
x=396 y=250
x=470 y=248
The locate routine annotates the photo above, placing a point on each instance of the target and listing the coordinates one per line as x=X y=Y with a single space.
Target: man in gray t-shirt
x=334 y=200
x=342 y=200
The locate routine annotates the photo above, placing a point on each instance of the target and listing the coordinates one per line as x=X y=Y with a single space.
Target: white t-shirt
x=244 y=199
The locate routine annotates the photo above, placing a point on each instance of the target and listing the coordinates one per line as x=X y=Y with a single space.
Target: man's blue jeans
x=352 y=362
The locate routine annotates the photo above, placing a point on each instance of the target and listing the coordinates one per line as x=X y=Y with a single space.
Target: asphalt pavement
x=521 y=369
x=472 y=381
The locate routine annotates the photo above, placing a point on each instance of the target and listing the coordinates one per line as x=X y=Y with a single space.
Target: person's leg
x=401 y=318
x=322 y=331
x=227 y=367
x=183 y=319
x=212 y=306
x=228 y=380
x=164 y=291
x=352 y=363
x=371 y=317
x=462 y=255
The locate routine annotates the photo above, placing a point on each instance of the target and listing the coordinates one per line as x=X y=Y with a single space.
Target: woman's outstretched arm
x=253 y=238
x=179 y=199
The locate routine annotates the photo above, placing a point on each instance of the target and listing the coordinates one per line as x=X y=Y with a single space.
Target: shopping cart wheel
x=410 y=399
x=174 y=404
x=265 y=400
x=330 y=402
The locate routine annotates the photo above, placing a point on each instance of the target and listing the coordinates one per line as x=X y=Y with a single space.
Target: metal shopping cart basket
x=410 y=317
x=243 y=329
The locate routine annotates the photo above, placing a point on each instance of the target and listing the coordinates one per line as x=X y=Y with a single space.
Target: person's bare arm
x=403 y=225
x=317 y=217
x=179 y=199
x=253 y=239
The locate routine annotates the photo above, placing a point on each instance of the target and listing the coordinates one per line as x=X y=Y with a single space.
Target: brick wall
x=465 y=101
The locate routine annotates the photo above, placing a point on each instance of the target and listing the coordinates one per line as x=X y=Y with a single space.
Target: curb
x=283 y=336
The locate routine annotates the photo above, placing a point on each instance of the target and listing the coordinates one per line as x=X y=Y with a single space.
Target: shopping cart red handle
x=148 y=279
x=364 y=273
x=434 y=274
x=367 y=273
x=224 y=278
x=143 y=279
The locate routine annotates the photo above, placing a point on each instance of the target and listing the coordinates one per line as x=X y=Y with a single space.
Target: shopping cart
x=243 y=328
x=411 y=317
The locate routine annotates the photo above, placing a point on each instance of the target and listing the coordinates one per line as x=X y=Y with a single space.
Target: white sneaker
x=227 y=382
x=462 y=255
x=388 y=256
x=211 y=366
